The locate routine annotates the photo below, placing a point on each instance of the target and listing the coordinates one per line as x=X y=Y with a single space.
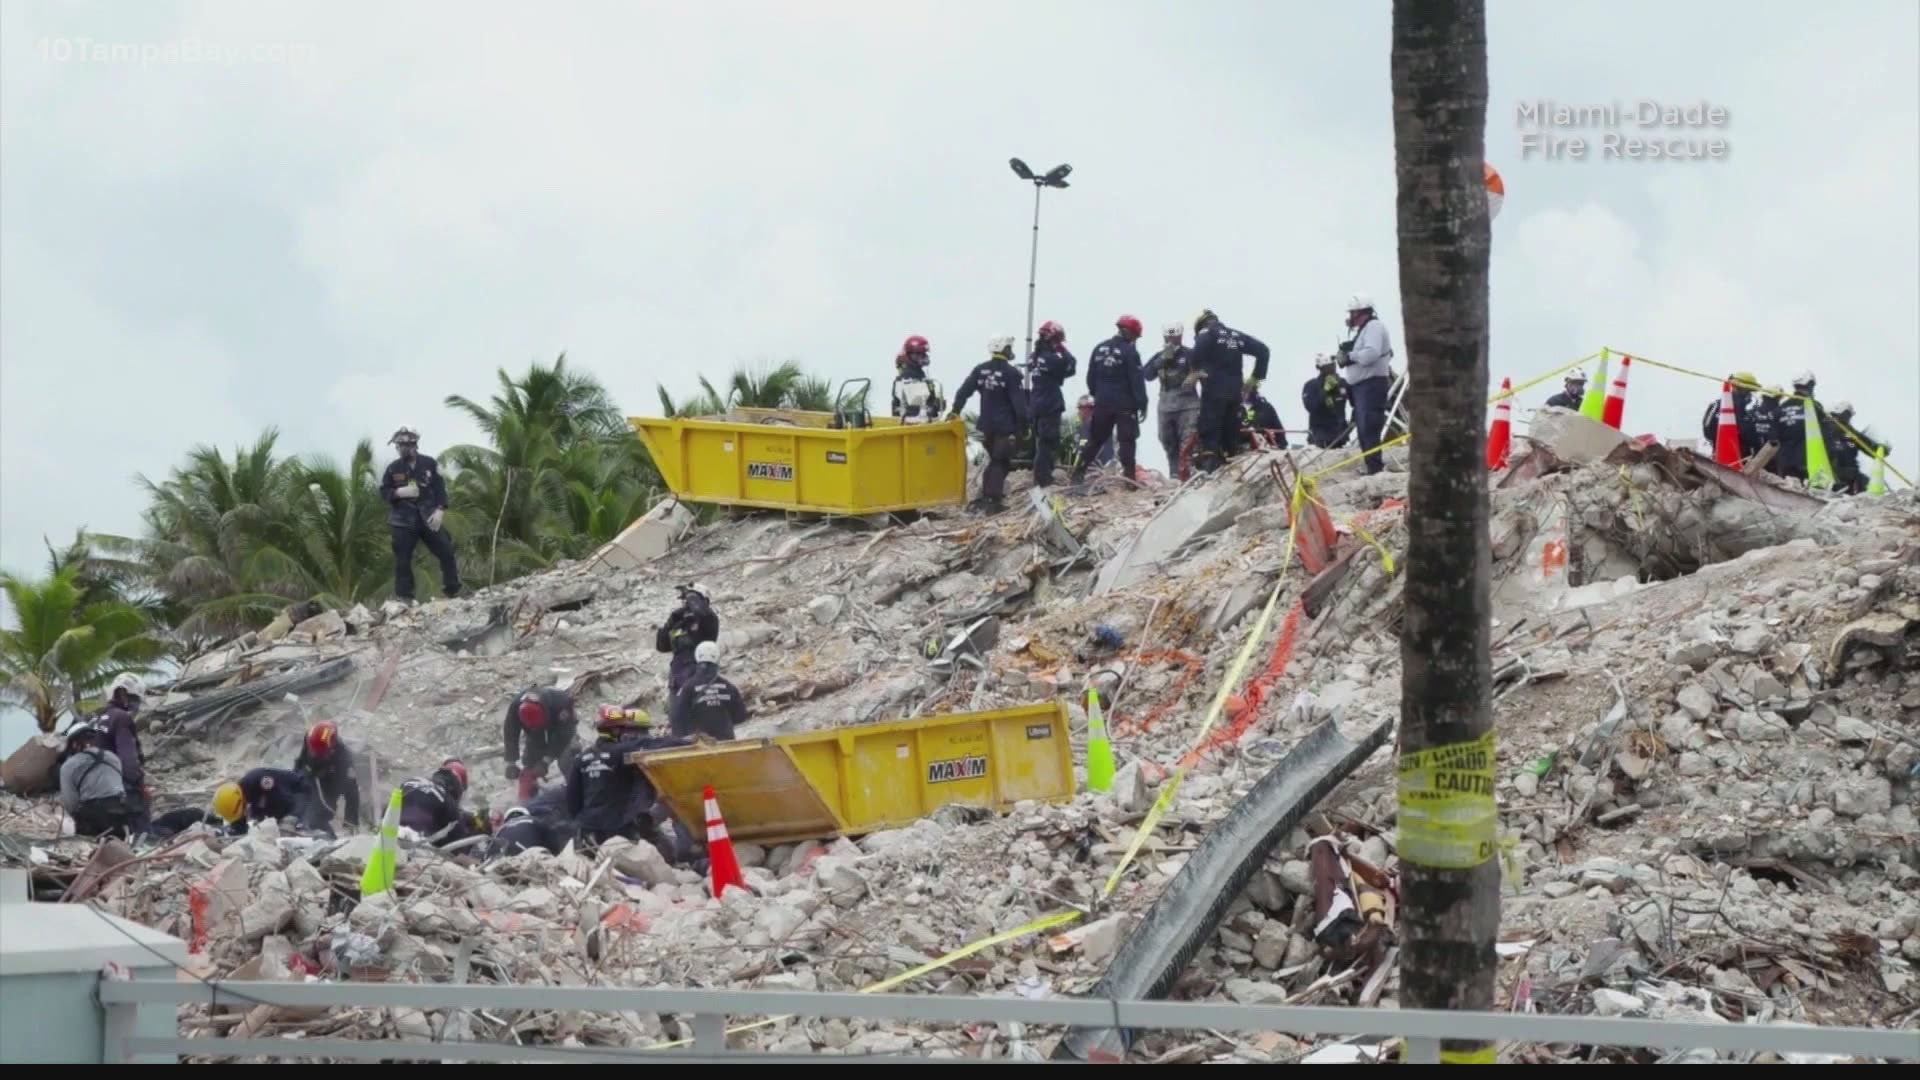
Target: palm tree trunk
x=1451 y=879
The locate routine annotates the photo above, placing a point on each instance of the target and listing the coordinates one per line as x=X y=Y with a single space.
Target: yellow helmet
x=1744 y=379
x=229 y=803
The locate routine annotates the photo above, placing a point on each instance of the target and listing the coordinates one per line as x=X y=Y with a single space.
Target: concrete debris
x=1706 y=768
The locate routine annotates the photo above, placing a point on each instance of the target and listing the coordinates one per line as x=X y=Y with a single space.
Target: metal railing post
x=1422 y=1051
x=709 y=1034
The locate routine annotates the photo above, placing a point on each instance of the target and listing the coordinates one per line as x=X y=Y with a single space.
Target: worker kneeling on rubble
x=1003 y=415
x=693 y=622
x=272 y=795
x=708 y=705
x=91 y=789
x=607 y=794
x=545 y=715
x=328 y=761
x=430 y=805
x=541 y=823
x=1259 y=421
x=416 y=495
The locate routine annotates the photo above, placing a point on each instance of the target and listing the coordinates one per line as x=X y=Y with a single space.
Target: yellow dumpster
x=857 y=780
x=840 y=462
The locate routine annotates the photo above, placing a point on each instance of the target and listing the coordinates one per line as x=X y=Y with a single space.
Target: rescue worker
x=1179 y=409
x=273 y=795
x=416 y=495
x=174 y=822
x=521 y=829
x=330 y=763
x=1119 y=391
x=92 y=791
x=916 y=399
x=1048 y=370
x=430 y=805
x=1761 y=425
x=1366 y=364
x=1259 y=421
x=608 y=795
x=1083 y=426
x=1792 y=426
x=1325 y=399
x=1844 y=453
x=1003 y=415
x=1574 y=390
x=545 y=716
x=709 y=704
x=120 y=733
x=1218 y=350
x=693 y=622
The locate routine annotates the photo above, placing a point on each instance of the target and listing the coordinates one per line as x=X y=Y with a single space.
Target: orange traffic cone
x=1500 y=439
x=723 y=866
x=1616 y=404
x=1726 y=438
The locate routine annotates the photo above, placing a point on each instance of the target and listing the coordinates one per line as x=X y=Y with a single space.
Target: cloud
x=418 y=195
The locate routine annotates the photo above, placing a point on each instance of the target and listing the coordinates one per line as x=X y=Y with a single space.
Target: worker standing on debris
x=1048 y=370
x=1574 y=390
x=120 y=733
x=430 y=805
x=608 y=795
x=916 y=399
x=545 y=715
x=91 y=788
x=1179 y=409
x=1003 y=415
x=330 y=763
x=1791 y=427
x=1119 y=390
x=1218 y=352
x=693 y=622
x=416 y=495
x=272 y=795
x=1259 y=421
x=1844 y=453
x=708 y=705
x=1366 y=361
x=1325 y=399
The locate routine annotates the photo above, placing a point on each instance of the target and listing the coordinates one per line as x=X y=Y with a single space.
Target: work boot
x=1078 y=486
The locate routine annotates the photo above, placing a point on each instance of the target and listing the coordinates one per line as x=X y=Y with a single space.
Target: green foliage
x=68 y=648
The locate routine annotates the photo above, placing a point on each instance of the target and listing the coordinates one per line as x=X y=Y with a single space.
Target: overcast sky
x=360 y=208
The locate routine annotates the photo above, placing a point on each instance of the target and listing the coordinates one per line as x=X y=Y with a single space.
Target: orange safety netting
x=1244 y=708
x=1128 y=724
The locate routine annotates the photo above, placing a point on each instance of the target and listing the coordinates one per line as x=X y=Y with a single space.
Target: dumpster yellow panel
x=787 y=460
x=859 y=779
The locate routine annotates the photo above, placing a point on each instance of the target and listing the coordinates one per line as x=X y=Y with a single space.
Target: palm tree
x=343 y=550
x=705 y=403
x=566 y=403
x=66 y=651
x=1451 y=882
x=507 y=502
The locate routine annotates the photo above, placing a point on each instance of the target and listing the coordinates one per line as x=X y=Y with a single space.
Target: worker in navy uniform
x=693 y=622
x=1003 y=414
x=416 y=495
x=608 y=795
x=1119 y=390
x=541 y=717
x=1325 y=398
x=1259 y=420
x=1218 y=355
x=325 y=758
x=1048 y=370
x=708 y=704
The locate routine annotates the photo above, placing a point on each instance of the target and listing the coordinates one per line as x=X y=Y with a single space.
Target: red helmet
x=1129 y=324
x=321 y=737
x=458 y=769
x=914 y=346
x=533 y=715
x=1050 y=331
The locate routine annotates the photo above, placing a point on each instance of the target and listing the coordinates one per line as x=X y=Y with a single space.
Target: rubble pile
x=1706 y=699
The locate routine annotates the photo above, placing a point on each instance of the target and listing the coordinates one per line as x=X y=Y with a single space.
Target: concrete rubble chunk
x=1102 y=939
x=1572 y=437
x=1762 y=727
x=644 y=862
x=1694 y=654
x=1761 y=685
x=1609 y=1002
x=1296 y=876
x=1753 y=639
x=1859 y=796
x=1852 y=729
x=1256 y=992
x=1696 y=700
x=1129 y=792
x=648 y=538
x=842 y=882
x=1270 y=945
x=826 y=609
x=271 y=910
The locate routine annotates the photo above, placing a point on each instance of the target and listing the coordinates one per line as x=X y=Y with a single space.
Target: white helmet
x=1842 y=408
x=696 y=587
x=1322 y=360
x=1000 y=345
x=707 y=652
x=1805 y=378
x=1360 y=302
x=515 y=813
x=404 y=435
x=131 y=683
x=1174 y=330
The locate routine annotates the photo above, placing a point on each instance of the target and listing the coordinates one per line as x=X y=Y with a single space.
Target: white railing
x=710 y=1009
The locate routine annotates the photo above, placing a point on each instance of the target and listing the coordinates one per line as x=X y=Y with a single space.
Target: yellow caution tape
x=1486 y=1055
x=1447 y=818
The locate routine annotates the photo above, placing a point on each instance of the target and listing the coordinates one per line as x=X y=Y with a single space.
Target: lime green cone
x=378 y=876
x=1099 y=750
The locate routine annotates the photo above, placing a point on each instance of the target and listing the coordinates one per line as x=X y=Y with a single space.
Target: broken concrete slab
x=1194 y=513
x=1572 y=437
x=652 y=536
x=34 y=766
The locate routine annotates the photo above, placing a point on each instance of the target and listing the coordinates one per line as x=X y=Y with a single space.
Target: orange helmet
x=321 y=738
